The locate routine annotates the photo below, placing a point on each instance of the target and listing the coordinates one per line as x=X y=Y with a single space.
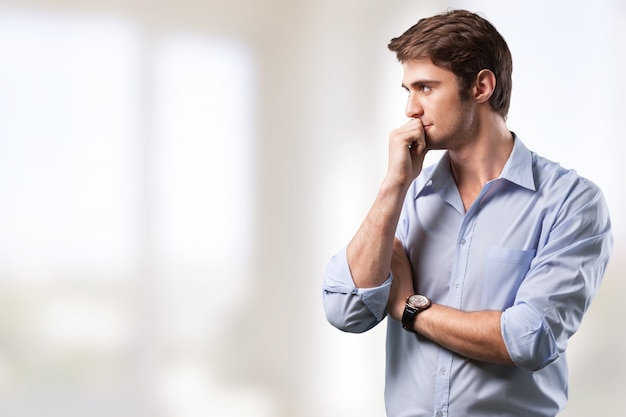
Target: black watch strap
x=408 y=318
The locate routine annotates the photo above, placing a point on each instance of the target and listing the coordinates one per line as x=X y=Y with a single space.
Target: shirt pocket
x=504 y=272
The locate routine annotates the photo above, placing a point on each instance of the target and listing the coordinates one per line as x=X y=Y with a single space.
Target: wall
x=165 y=233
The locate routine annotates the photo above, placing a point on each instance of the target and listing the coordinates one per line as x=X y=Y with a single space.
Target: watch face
x=418 y=301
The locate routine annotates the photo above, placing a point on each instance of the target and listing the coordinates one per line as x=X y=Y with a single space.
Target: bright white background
x=174 y=177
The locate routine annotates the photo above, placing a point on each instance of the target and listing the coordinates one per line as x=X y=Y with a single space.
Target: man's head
x=463 y=43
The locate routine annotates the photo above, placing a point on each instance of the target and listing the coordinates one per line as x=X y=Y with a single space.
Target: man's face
x=448 y=120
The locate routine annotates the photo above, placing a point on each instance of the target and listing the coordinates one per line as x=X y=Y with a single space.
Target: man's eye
x=425 y=88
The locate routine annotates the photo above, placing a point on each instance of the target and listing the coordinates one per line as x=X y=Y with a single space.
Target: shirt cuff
x=338 y=281
x=528 y=338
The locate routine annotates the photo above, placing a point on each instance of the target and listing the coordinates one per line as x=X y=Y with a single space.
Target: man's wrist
x=394 y=184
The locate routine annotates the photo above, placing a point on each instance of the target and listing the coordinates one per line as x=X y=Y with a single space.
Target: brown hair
x=463 y=43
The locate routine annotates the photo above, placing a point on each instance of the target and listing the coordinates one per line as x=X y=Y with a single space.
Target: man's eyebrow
x=418 y=83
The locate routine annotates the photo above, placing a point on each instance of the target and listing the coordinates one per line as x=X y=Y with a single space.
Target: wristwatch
x=415 y=304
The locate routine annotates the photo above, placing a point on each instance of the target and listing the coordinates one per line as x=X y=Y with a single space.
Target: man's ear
x=484 y=85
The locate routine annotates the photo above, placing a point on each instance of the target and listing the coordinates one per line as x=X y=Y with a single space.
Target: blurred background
x=175 y=175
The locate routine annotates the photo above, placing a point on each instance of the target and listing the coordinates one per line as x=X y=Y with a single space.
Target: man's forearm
x=475 y=335
x=369 y=252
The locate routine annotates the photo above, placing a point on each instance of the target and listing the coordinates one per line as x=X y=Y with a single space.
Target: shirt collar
x=518 y=170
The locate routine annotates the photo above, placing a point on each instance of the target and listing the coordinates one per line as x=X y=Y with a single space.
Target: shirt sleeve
x=561 y=283
x=347 y=307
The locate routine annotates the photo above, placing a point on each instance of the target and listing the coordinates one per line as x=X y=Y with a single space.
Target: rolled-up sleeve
x=347 y=307
x=529 y=339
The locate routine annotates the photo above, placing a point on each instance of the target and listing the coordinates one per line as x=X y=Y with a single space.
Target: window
x=126 y=169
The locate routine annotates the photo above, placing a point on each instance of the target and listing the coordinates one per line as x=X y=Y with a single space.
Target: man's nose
x=413 y=108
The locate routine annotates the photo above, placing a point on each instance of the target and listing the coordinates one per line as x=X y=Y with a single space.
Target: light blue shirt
x=535 y=245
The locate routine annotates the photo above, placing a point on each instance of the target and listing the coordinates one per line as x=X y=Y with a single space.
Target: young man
x=485 y=262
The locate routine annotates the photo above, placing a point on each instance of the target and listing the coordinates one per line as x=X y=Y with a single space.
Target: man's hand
x=402 y=283
x=407 y=149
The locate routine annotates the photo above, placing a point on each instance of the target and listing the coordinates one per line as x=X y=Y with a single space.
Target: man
x=485 y=262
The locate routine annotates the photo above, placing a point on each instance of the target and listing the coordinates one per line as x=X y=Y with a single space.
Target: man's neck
x=481 y=160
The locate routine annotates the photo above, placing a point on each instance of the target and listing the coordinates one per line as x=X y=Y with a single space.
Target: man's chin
x=434 y=146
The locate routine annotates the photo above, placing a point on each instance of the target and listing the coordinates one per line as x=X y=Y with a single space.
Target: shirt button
x=456 y=285
x=439 y=414
x=462 y=242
